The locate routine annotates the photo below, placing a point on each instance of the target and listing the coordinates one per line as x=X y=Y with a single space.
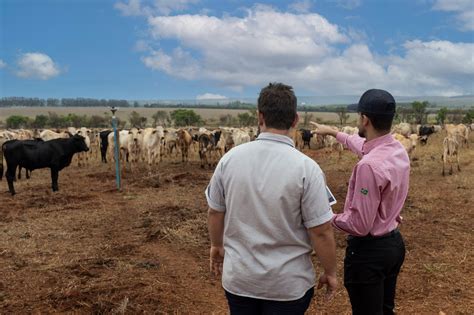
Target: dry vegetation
x=91 y=249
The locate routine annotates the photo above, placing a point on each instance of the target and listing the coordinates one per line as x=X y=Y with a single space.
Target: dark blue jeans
x=371 y=267
x=240 y=305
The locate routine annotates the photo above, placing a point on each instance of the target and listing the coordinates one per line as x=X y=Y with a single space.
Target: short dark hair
x=380 y=122
x=277 y=103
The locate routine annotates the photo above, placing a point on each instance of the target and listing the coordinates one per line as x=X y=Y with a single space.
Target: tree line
x=176 y=118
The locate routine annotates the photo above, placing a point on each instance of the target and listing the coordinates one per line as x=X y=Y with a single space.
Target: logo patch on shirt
x=364 y=191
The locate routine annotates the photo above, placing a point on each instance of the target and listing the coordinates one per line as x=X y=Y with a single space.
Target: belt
x=371 y=237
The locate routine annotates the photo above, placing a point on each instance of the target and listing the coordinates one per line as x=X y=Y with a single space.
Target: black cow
x=104 y=144
x=425 y=132
x=306 y=135
x=55 y=154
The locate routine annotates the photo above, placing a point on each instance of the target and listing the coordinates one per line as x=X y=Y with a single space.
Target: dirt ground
x=91 y=249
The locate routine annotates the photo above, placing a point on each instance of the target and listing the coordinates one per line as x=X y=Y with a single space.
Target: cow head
x=79 y=143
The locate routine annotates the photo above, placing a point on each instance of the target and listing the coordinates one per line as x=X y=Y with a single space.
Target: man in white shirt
x=268 y=210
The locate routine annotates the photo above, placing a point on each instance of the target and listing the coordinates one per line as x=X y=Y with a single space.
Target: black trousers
x=371 y=267
x=241 y=305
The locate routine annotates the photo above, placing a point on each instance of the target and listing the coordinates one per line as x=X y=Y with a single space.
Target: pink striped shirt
x=378 y=186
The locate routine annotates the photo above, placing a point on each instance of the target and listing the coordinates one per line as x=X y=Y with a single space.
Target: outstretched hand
x=330 y=281
x=216 y=258
x=323 y=129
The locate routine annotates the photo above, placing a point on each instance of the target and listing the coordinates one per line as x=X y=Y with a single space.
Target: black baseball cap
x=378 y=102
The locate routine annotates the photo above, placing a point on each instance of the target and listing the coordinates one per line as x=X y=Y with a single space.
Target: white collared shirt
x=271 y=194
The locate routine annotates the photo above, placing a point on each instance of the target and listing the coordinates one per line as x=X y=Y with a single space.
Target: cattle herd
x=55 y=149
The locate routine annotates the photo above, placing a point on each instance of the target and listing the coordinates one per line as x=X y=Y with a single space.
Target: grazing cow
x=306 y=136
x=450 y=151
x=55 y=154
x=424 y=132
x=184 y=142
x=403 y=129
x=135 y=144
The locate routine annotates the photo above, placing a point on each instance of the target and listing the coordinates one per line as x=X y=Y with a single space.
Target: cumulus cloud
x=464 y=10
x=210 y=96
x=305 y=51
x=37 y=66
x=2 y=64
x=149 y=7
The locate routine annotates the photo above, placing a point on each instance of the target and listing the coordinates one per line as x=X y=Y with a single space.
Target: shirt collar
x=370 y=145
x=276 y=137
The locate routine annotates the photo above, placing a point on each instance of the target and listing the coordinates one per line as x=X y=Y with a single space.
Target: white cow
x=47 y=135
x=152 y=145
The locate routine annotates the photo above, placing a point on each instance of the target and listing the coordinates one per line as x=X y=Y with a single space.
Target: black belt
x=371 y=237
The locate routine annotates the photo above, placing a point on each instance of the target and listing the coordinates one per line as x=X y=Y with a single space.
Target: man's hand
x=331 y=285
x=323 y=129
x=216 y=260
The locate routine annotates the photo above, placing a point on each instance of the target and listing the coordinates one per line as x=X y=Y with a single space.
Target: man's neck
x=283 y=132
x=373 y=134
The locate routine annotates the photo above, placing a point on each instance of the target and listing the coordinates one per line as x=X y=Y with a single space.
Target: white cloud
x=210 y=96
x=305 y=51
x=463 y=8
x=149 y=7
x=142 y=45
x=302 y=6
x=37 y=66
x=2 y=64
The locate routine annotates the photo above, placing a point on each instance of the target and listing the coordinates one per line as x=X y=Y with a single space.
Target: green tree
x=17 y=121
x=441 y=115
x=40 y=121
x=161 y=117
x=136 y=120
x=342 y=114
x=419 y=110
x=245 y=119
x=226 y=119
x=185 y=117
x=469 y=117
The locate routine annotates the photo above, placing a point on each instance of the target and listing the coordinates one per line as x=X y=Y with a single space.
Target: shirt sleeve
x=353 y=142
x=215 y=191
x=315 y=207
x=358 y=218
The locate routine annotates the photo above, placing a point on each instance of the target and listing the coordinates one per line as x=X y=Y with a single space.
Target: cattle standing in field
x=83 y=157
x=152 y=145
x=450 y=151
x=306 y=136
x=104 y=143
x=206 y=145
x=408 y=143
x=459 y=132
x=402 y=128
x=424 y=132
x=47 y=135
x=55 y=154
x=184 y=142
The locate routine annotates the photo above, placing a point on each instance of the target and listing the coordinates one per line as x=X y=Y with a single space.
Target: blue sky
x=188 y=49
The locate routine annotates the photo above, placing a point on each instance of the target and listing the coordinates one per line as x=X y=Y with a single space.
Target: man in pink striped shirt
x=377 y=191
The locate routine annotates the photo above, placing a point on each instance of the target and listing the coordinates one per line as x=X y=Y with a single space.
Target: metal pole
x=116 y=150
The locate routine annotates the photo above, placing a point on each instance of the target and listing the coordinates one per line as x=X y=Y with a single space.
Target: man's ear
x=261 y=120
x=295 y=122
x=365 y=121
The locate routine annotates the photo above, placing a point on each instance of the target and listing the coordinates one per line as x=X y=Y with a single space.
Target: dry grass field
x=123 y=113
x=90 y=249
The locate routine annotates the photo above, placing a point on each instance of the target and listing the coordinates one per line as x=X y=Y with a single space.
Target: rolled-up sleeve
x=358 y=218
x=215 y=191
x=315 y=207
